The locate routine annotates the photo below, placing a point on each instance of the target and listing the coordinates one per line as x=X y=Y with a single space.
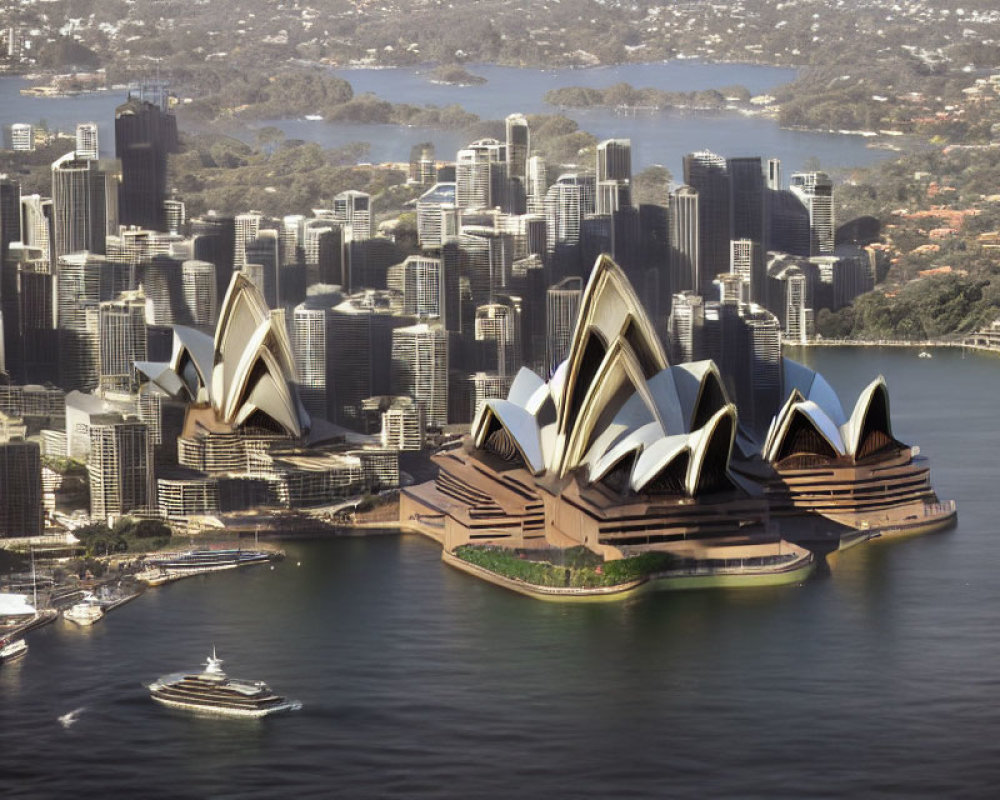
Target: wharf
x=43 y=617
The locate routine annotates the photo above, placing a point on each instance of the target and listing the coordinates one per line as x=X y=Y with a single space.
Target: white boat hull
x=220 y=711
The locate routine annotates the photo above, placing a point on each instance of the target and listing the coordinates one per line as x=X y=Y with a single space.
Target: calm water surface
x=876 y=678
x=661 y=138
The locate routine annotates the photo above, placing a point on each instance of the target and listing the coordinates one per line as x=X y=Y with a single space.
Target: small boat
x=85 y=613
x=924 y=354
x=11 y=650
x=212 y=692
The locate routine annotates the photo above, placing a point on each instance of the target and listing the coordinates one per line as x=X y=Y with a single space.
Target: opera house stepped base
x=618 y=471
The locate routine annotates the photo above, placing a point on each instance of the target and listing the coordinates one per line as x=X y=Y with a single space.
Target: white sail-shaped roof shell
x=627 y=402
x=248 y=366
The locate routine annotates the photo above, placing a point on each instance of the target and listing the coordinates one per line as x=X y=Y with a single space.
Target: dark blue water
x=661 y=138
x=877 y=677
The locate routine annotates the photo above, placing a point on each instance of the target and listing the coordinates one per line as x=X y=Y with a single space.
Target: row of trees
x=624 y=94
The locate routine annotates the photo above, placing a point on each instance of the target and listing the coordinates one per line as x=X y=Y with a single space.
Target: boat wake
x=68 y=720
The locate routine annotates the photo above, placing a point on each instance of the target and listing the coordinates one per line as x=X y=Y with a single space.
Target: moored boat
x=9 y=650
x=207 y=560
x=213 y=692
x=85 y=613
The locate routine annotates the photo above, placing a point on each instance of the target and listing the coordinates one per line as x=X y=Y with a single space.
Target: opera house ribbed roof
x=246 y=373
x=615 y=411
x=813 y=422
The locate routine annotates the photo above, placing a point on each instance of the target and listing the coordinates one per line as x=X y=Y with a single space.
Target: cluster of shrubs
x=576 y=567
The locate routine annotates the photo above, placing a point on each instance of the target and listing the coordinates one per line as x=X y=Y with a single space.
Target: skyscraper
x=614 y=176
x=309 y=332
x=36 y=223
x=79 y=205
x=537 y=185
x=215 y=242
x=815 y=191
x=774 y=174
x=420 y=368
x=423 y=287
x=359 y=335
x=758 y=387
x=21 y=136
x=743 y=255
x=747 y=218
x=122 y=341
x=353 y=210
x=685 y=240
x=323 y=249
x=498 y=330
x=21 y=512
x=10 y=214
x=200 y=295
x=245 y=228
x=562 y=303
x=518 y=147
x=686 y=328
x=263 y=250
x=174 y=215
x=145 y=134
x=473 y=177
x=120 y=467
x=708 y=173
x=437 y=216
x=86 y=140
x=567 y=202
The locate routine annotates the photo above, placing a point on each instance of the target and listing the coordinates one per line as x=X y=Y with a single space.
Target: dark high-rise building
x=708 y=173
x=787 y=223
x=518 y=148
x=747 y=210
x=215 y=242
x=10 y=231
x=685 y=240
x=79 y=205
x=815 y=190
x=263 y=261
x=20 y=482
x=368 y=261
x=359 y=354
x=144 y=136
x=30 y=339
x=10 y=214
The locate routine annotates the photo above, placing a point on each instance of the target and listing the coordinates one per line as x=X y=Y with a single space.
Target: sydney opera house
x=623 y=453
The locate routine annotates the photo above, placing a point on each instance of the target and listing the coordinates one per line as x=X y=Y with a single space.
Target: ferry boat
x=207 y=560
x=85 y=613
x=212 y=692
x=11 y=650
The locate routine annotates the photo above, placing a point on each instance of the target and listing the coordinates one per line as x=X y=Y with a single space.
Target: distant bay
x=657 y=137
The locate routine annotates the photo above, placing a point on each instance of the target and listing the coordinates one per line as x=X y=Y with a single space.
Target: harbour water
x=877 y=677
x=658 y=138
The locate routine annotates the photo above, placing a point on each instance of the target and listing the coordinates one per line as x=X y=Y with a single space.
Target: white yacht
x=212 y=692
x=84 y=613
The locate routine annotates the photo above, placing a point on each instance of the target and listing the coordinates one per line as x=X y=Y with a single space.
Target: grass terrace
x=575 y=567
